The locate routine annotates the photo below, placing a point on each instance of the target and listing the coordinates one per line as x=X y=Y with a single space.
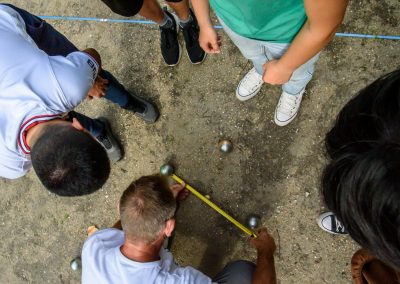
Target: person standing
x=282 y=38
x=169 y=24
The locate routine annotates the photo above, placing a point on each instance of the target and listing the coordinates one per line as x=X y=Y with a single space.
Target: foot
x=329 y=223
x=190 y=32
x=142 y=108
x=287 y=108
x=249 y=86
x=109 y=143
x=170 y=48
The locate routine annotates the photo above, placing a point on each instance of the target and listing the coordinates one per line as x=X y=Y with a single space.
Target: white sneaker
x=329 y=223
x=287 y=108
x=249 y=86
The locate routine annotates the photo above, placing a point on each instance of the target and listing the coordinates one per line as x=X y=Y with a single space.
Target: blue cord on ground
x=146 y=22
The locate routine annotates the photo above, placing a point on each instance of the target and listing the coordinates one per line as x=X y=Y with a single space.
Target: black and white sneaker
x=142 y=108
x=329 y=223
x=108 y=141
x=191 y=32
x=170 y=48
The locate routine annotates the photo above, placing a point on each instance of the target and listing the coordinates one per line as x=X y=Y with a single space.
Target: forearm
x=323 y=19
x=308 y=42
x=202 y=10
x=265 y=270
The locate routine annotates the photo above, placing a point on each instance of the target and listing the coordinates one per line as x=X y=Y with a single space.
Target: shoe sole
x=114 y=141
x=319 y=222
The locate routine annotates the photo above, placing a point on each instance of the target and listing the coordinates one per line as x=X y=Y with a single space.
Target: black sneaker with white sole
x=191 y=32
x=142 y=108
x=108 y=141
x=329 y=223
x=170 y=49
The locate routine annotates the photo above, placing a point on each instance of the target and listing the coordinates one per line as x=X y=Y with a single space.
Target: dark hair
x=69 y=162
x=144 y=208
x=361 y=184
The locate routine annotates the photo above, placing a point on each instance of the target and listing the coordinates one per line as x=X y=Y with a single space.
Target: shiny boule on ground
x=225 y=146
x=167 y=170
x=253 y=221
x=76 y=263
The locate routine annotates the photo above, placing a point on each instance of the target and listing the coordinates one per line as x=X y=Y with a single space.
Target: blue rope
x=146 y=22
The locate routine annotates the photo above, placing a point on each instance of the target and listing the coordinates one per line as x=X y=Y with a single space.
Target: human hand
x=99 y=88
x=179 y=191
x=275 y=73
x=264 y=243
x=209 y=41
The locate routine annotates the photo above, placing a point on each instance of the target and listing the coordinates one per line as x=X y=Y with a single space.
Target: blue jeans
x=260 y=52
x=54 y=43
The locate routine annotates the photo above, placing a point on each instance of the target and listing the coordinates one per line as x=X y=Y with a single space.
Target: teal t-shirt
x=267 y=20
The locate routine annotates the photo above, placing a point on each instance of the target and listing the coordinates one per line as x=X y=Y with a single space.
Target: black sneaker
x=191 y=35
x=170 y=48
x=142 y=108
x=329 y=223
x=109 y=143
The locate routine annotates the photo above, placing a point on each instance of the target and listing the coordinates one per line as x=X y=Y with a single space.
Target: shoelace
x=105 y=141
x=339 y=226
x=288 y=104
x=252 y=81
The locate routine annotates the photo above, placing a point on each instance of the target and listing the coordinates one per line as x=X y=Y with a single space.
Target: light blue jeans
x=259 y=52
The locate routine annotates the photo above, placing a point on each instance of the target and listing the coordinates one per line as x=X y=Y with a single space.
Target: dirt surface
x=273 y=171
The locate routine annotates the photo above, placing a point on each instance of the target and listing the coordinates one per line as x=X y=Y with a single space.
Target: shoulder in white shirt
x=103 y=262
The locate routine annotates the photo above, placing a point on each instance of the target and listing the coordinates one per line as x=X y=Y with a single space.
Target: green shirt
x=267 y=20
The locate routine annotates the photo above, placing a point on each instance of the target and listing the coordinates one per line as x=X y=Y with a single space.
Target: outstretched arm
x=323 y=19
x=265 y=268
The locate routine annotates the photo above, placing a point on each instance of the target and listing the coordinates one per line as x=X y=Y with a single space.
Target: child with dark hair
x=361 y=184
x=43 y=77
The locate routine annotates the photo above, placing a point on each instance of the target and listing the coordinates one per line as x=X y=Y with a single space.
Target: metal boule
x=253 y=221
x=76 y=263
x=225 y=146
x=167 y=170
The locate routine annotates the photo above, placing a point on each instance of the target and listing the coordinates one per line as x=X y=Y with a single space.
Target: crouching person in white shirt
x=43 y=78
x=135 y=254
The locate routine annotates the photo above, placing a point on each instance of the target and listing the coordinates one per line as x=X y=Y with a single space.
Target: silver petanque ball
x=225 y=146
x=166 y=170
x=253 y=221
x=76 y=263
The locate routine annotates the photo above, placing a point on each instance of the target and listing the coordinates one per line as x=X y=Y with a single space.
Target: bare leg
x=181 y=9
x=151 y=10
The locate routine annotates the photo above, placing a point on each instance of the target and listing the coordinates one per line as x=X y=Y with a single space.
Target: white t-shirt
x=34 y=87
x=103 y=263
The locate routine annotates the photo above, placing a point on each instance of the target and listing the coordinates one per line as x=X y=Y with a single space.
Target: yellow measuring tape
x=215 y=207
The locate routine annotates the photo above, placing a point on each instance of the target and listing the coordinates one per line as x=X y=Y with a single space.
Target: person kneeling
x=135 y=254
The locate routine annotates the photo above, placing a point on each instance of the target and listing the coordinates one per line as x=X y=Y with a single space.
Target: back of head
x=69 y=162
x=144 y=207
x=373 y=115
x=363 y=191
x=361 y=184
